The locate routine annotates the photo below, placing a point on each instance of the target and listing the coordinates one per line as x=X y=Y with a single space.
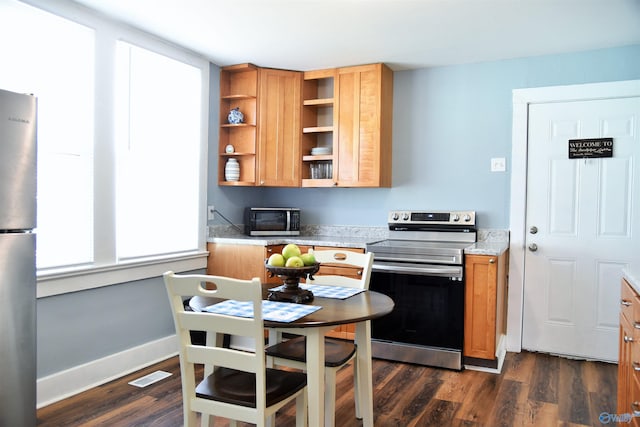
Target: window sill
x=67 y=280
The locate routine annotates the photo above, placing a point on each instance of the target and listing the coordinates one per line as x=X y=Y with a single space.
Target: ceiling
x=406 y=34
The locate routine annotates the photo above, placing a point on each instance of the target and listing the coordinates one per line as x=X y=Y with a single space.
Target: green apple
x=308 y=258
x=291 y=250
x=294 y=261
x=276 y=260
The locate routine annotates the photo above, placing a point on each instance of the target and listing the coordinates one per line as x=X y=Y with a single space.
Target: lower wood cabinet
x=485 y=308
x=247 y=261
x=629 y=356
x=237 y=261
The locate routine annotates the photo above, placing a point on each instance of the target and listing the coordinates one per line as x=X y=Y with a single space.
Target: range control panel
x=467 y=218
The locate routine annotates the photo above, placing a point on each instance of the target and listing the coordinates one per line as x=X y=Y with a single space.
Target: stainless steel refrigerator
x=17 y=259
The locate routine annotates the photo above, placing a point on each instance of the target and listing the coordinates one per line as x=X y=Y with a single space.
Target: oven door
x=428 y=314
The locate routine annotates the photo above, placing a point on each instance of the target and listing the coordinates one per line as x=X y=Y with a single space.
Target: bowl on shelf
x=319 y=151
x=291 y=291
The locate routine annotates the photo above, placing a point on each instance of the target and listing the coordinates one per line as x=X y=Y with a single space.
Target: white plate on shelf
x=316 y=151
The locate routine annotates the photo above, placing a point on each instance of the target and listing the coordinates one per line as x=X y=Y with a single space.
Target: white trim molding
x=522 y=98
x=61 y=385
x=80 y=279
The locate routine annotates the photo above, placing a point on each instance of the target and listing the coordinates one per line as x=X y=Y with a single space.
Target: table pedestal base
x=298 y=296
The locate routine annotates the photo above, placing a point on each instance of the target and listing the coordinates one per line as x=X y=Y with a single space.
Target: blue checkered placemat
x=273 y=311
x=338 y=292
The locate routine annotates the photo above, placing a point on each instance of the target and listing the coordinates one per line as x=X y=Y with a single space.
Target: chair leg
x=301 y=409
x=330 y=396
x=356 y=389
x=206 y=420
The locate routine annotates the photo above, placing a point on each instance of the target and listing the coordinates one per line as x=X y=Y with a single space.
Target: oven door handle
x=418 y=269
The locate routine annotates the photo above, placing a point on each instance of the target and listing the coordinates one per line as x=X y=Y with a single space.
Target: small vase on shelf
x=232 y=170
x=235 y=116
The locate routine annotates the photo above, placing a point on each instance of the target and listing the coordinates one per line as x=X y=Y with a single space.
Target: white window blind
x=121 y=141
x=53 y=58
x=158 y=147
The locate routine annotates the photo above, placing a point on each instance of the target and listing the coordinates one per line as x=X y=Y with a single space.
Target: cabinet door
x=279 y=128
x=625 y=369
x=268 y=251
x=629 y=353
x=365 y=97
x=237 y=261
x=481 y=297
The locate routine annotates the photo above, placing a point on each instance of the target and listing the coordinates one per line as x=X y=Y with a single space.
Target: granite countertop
x=489 y=242
x=487 y=248
x=310 y=240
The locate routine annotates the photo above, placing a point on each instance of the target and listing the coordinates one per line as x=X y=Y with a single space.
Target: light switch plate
x=498 y=164
x=211 y=213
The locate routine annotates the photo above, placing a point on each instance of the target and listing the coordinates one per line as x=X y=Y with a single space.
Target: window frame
x=106 y=269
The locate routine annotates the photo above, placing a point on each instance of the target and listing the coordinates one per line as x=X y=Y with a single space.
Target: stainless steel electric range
x=421 y=267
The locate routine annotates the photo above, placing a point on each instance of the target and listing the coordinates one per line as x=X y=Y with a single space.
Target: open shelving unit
x=238 y=88
x=319 y=115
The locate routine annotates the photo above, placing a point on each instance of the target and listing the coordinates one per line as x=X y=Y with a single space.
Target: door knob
x=533 y=247
x=533 y=229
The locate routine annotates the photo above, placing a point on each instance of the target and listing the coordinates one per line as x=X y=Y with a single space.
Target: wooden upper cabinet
x=365 y=103
x=291 y=116
x=279 y=101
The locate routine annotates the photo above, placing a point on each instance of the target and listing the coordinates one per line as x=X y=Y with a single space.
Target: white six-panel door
x=582 y=226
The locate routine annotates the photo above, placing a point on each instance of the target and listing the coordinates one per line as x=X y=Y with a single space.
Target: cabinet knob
x=533 y=247
x=628 y=338
x=636 y=366
x=533 y=229
x=635 y=407
x=625 y=302
x=492 y=261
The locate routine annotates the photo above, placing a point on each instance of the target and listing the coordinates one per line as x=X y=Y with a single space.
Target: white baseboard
x=72 y=381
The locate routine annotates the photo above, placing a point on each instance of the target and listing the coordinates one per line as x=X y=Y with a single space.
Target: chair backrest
x=181 y=286
x=341 y=259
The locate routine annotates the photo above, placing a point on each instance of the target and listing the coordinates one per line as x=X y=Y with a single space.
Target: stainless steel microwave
x=272 y=221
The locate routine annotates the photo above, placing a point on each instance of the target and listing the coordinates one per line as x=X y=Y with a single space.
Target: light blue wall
x=448 y=123
x=82 y=326
x=79 y=327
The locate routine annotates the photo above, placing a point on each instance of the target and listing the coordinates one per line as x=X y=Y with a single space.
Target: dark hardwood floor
x=532 y=390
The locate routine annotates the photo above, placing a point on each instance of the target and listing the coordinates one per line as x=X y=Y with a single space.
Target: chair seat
x=239 y=388
x=337 y=352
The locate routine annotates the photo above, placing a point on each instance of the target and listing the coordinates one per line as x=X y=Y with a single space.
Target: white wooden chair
x=237 y=384
x=338 y=352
